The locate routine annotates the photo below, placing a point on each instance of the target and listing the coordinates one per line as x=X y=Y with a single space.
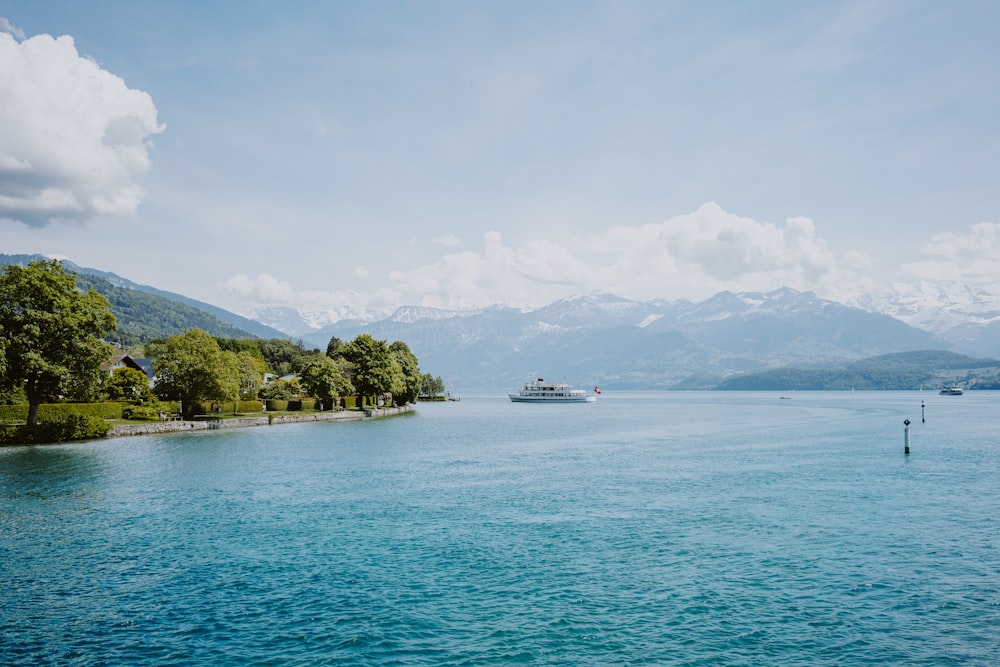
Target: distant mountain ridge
x=924 y=369
x=964 y=314
x=145 y=312
x=616 y=342
x=599 y=338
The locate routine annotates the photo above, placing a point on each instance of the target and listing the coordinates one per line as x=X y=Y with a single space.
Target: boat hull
x=517 y=398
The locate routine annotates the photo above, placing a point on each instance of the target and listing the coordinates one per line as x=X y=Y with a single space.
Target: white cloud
x=8 y=27
x=265 y=289
x=973 y=257
x=692 y=256
x=73 y=137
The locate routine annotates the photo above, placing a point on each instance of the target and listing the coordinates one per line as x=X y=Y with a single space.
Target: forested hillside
x=145 y=313
x=901 y=371
x=143 y=317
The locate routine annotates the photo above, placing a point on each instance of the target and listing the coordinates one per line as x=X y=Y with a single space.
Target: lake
x=676 y=528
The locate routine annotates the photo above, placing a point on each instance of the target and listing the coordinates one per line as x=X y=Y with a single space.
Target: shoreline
x=151 y=428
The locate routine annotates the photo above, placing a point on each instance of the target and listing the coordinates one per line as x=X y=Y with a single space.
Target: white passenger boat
x=952 y=390
x=540 y=391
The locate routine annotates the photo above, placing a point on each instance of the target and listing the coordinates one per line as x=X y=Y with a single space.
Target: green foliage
x=226 y=407
x=282 y=356
x=50 y=411
x=192 y=368
x=283 y=390
x=51 y=334
x=333 y=347
x=60 y=429
x=251 y=373
x=376 y=370
x=431 y=386
x=150 y=411
x=325 y=378
x=142 y=316
x=902 y=371
x=128 y=384
x=410 y=370
x=276 y=405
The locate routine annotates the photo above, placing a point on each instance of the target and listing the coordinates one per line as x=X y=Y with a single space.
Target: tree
x=192 y=368
x=128 y=384
x=50 y=333
x=375 y=370
x=431 y=386
x=326 y=378
x=251 y=373
x=411 y=373
x=282 y=355
x=282 y=390
x=333 y=347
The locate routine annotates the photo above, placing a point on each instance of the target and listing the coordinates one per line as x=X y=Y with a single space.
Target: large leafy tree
x=50 y=333
x=282 y=356
x=411 y=373
x=191 y=368
x=375 y=368
x=326 y=378
x=431 y=386
x=128 y=384
x=251 y=372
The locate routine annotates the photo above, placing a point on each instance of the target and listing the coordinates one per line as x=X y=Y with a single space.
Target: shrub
x=146 y=412
x=60 y=429
x=51 y=411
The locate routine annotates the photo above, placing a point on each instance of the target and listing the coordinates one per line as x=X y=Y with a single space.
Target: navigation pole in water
x=906 y=436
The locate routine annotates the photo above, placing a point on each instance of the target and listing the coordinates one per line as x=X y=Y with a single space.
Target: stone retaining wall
x=149 y=428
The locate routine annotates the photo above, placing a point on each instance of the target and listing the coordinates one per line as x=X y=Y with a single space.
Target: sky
x=354 y=156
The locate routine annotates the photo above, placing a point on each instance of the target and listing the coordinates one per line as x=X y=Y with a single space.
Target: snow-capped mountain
x=963 y=314
x=627 y=343
x=301 y=323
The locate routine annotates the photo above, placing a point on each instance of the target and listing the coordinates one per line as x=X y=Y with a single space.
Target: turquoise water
x=646 y=529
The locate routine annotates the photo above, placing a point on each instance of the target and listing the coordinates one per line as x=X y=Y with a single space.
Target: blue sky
x=350 y=155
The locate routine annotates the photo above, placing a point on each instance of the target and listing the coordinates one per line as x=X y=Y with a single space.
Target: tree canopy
x=193 y=368
x=326 y=378
x=50 y=334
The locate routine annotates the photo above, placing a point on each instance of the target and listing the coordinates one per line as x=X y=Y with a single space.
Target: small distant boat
x=951 y=390
x=540 y=391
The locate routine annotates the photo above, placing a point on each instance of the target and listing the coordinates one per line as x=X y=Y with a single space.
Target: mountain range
x=607 y=340
x=624 y=344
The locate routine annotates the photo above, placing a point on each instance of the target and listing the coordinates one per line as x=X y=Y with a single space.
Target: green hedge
x=150 y=411
x=276 y=405
x=18 y=414
x=56 y=429
x=226 y=408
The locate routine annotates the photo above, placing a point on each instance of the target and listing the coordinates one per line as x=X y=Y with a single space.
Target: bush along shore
x=76 y=422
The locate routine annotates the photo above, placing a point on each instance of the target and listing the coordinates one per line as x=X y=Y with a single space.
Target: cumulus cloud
x=73 y=136
x=693 y=255
x=972 y=257
x=7 y=27
x=264 y=288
